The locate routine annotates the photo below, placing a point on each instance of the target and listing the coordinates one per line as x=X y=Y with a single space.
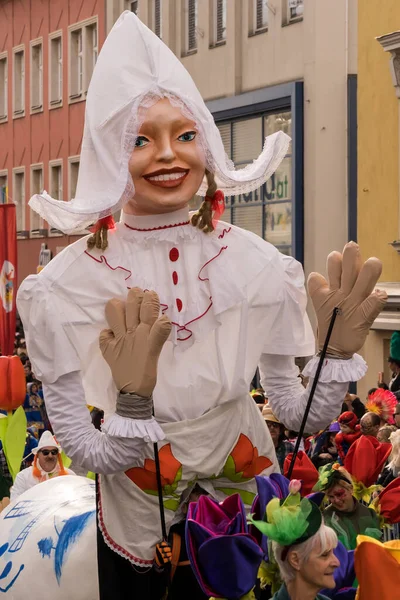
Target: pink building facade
x=47 y=54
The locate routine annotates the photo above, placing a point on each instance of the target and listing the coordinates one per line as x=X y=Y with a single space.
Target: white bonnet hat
x=136 y=69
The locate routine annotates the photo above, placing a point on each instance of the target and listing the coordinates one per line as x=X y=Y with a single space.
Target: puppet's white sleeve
x=288 y=398
x=80 y=440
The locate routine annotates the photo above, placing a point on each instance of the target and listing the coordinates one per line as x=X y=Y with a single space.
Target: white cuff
x=339 y=370
x=147 y=429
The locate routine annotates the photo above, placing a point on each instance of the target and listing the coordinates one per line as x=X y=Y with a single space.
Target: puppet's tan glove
x=350 y=288
x=134 y=341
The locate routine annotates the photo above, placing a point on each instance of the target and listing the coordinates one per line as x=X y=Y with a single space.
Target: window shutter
x=157 y=17
x=192 y=24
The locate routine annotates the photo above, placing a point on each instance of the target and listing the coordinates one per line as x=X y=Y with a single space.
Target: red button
x=174 y=254
x=179 y=304
x=175 y=277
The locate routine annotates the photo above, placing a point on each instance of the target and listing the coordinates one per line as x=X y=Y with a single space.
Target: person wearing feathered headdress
x=229 y=301
x=382 y=403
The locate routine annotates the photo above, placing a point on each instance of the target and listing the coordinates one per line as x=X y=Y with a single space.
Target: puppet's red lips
x=167 y=180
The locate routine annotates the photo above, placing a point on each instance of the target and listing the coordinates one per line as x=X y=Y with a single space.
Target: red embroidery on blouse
x=179 y=304
x=221 y=235
x=103 y=259
x=208 y=262
x=158 y=228
x=164 y=307
x=175 y=277
x=112 y=543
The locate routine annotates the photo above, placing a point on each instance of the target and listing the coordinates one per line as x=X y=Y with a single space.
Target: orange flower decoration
x=12 y=383
x=171 y=472
x=246 y=461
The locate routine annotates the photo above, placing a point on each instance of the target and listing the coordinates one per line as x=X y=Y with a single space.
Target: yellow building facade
x=378 y=205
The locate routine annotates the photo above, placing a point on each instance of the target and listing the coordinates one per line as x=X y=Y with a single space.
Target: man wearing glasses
x=46 y=465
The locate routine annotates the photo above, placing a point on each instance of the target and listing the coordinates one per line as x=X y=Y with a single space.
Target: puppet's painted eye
x=188 y=136
x=141 y=141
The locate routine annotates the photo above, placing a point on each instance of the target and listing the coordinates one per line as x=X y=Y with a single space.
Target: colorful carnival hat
x=225 y=558
x=348 y=418
x=140 y=70
x=330 y=475
x=377 y=569
x=290 y=521
x=304 y=470
x=365 y=461
x=274 y=486
x=387 y=504
x=382 y=403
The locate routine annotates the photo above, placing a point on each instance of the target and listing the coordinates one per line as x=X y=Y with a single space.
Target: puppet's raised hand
x=134 y=341
x=350 y=288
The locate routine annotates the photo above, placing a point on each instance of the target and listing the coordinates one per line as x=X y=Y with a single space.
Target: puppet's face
x=166 y=165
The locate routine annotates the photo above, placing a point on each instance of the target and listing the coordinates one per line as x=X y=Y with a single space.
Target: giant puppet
x=229 y=301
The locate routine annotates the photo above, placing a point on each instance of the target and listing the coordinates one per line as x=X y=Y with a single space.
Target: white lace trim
x=148 y=430
x=337 y=370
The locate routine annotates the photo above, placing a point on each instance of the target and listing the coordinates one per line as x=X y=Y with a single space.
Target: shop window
x=3 y=86
x=36 y=222
x=83 y=48
x=190 y=27
x=218 y=22
x=266 y=211
x=3 y=187
x=19 y=82
x=36 y=72
x=18 y=197
x=56 y=70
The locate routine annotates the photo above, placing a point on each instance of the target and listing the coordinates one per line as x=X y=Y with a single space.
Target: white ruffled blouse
x=234 y=301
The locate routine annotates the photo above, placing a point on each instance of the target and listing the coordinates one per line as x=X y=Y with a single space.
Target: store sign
x=276 y=188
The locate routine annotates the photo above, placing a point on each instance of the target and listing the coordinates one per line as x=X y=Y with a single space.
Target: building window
x=156 y=17
x=260 y=15
x=83 y=48
x=3 y=187
x=218 y=25
x=18 y=197
x=55 y=70
x=36 y=222
x=3 y=86
x=190 y=26
x=56 y=179
x=132 y=5
x=36 y=76
x=19 y=82
x=294 y=9
x=73 y=171
x=267 y=211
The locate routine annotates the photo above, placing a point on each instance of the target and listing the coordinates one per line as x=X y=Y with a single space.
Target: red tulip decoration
x=12 y=396
x=12 y=383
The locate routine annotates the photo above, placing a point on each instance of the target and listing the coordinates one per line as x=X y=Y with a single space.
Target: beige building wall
x=321 y=50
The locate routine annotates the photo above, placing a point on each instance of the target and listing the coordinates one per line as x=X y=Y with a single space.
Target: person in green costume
x=345 y=514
